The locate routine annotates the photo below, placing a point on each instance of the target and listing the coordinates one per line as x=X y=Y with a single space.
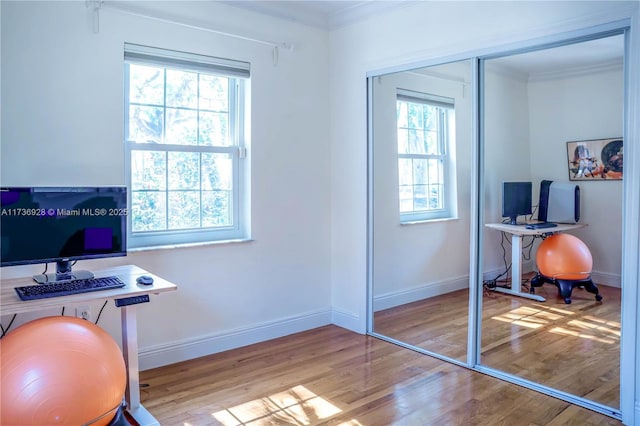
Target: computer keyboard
x=541 y=225
x=66 y=288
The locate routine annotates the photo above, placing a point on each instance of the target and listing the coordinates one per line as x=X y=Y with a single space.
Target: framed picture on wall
x=597 y=159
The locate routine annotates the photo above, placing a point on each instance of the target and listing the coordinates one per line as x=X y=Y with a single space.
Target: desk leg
x=130 y=352
x=516 y=272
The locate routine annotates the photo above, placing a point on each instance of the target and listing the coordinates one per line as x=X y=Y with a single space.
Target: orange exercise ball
x=564 y=256
x=60 y=371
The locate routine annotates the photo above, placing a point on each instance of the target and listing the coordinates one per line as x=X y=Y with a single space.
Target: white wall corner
x=348 y=320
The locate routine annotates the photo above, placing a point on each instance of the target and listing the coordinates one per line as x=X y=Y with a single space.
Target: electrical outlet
x=83 y=312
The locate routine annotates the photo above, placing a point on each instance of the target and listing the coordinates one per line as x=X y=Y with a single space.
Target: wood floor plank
x=331 y=376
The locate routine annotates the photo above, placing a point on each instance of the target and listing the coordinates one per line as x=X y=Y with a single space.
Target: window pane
x=401 y=114
x=435 y=197
x=148 y=170
x=420 y=198
x=405 y=169
x=184 y=209
x=216 y=208
x=181 y=127
x=420 y=170
x=415 y=116
x=214 y=129
x=406 y=199
x=184 y=170
x=403 y=141
x=145 y=124
x=416 y=142
x=431 y=114
x=436 y=171
x=217 y=171
x=148 y=211
x=214 y=93
x=146 y=84
x=182 y=89
x=433 y=146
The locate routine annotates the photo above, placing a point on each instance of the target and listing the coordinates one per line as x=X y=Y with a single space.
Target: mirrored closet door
x=420 y=152
x=556 y=115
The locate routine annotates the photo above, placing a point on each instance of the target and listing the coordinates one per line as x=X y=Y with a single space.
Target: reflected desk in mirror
x=517 y=233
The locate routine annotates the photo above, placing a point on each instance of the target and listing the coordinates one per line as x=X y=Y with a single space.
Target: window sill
x=418 y=222
x=189 y=245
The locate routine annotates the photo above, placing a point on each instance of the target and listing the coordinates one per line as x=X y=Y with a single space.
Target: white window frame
x=446 y=142
x=238 y=120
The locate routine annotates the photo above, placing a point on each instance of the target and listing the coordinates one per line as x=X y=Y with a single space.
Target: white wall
x=62 y=124
x=582 y=107
x=506 y=151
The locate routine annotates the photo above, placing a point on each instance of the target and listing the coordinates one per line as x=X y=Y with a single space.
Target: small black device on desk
x=145 y=280
x=541 y=225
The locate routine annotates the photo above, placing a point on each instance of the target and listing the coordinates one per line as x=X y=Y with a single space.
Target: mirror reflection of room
x=537 y=107
x=421 y=153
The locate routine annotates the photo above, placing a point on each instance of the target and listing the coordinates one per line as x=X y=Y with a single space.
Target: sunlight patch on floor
x=296 y=406
x=530 y=317
x=588 y=330
x=554 y=309
x=537 y=316
x=615 y=324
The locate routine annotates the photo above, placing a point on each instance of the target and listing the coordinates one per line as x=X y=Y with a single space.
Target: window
x=184 y=137
x=426 y=135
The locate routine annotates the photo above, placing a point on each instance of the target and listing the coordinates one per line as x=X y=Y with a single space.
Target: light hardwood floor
x=573 y=348
x=336 y=377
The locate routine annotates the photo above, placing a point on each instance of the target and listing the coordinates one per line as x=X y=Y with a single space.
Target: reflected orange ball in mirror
x=564 y=256
x=60 y=371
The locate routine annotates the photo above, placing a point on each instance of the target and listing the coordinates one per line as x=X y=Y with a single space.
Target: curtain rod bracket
x=96 y=5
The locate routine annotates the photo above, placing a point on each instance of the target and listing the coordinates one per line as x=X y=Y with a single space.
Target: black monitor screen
x=40 y=225
x=516 y=200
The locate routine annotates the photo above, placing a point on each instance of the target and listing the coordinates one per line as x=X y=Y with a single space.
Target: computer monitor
x=516 y=200
x=62 y=225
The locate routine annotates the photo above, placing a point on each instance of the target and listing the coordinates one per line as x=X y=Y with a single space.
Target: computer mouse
x=145 y=280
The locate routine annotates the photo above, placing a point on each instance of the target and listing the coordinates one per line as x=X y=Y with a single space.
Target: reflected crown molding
x=610 y=65
x=556 y=74
x=506 y=71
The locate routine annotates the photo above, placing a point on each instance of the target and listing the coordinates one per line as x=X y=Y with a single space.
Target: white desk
x=10 y=304
x=517 y=233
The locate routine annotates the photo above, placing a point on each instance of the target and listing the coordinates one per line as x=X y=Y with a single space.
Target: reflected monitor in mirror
x=516 y=200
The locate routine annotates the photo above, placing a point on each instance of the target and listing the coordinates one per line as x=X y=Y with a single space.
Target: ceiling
x=325 y=14
x=332 y=14
x=589 y=55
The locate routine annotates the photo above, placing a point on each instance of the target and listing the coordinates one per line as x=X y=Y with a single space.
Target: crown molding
x=611 y=65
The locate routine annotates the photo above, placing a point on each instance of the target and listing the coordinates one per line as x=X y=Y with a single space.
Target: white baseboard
x=171 y=353
x=606 y=278
x=349 y=321
x=392 y=299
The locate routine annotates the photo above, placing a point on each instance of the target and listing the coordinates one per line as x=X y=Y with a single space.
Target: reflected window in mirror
x=426 y=137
